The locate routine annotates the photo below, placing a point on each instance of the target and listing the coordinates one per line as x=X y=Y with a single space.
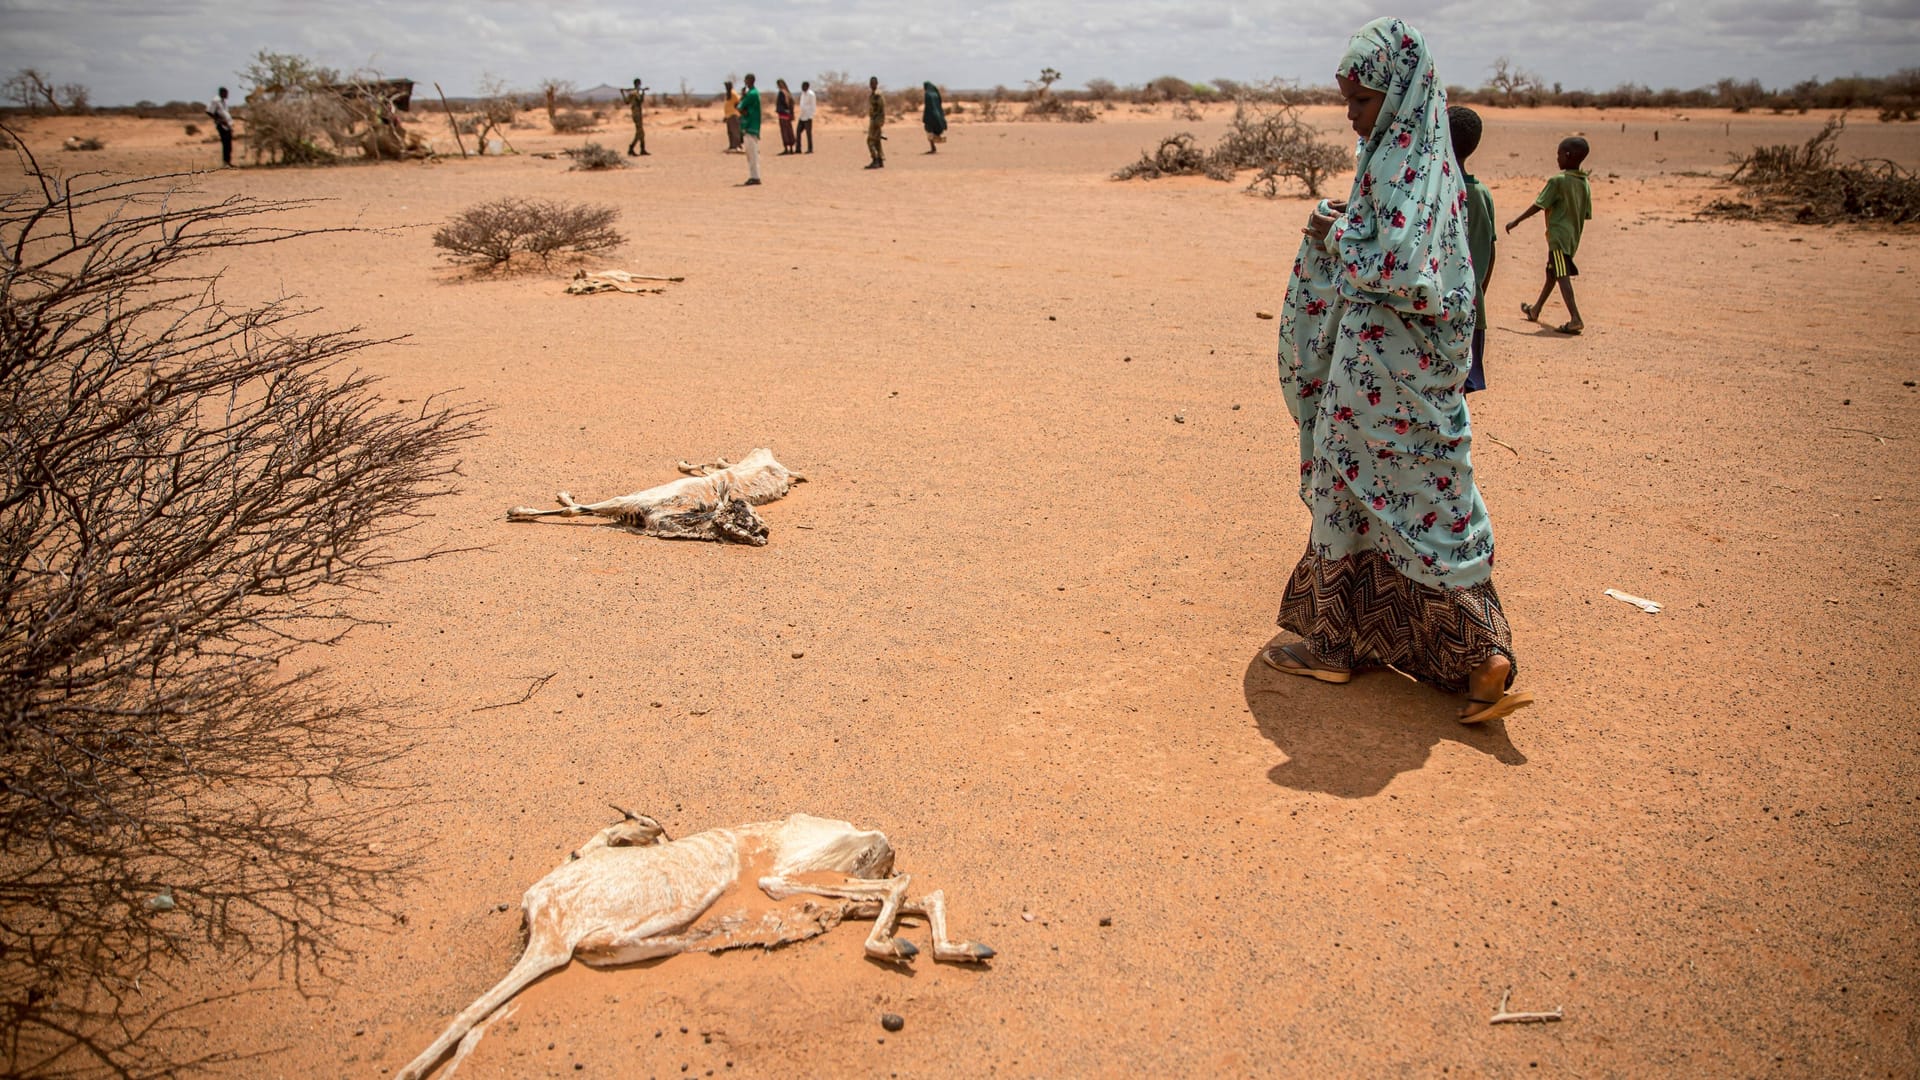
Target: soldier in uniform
x=635 y=99
x=876 y=119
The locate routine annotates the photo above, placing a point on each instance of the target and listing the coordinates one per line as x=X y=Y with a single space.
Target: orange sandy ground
x=1029 y=603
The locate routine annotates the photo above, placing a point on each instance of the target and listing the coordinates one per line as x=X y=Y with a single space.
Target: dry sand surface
x=1013 y=619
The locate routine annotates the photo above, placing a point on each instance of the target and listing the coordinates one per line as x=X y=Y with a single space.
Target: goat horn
x=626 y=814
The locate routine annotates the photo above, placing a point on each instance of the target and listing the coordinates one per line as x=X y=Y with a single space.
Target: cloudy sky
x=180 y=49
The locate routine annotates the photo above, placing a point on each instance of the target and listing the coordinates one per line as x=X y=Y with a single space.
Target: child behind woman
x=1464 y=126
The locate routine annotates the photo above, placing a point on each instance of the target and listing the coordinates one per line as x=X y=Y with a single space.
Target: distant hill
x=599 y=95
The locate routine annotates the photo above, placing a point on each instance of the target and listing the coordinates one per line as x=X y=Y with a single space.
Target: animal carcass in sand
x=712 y=502
x=630 y=894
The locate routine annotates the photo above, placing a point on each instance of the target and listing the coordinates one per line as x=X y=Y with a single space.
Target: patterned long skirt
x=1358 y=612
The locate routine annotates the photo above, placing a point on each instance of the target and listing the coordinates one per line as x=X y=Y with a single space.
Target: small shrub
x=1274 y=140
x=572 y=121
x=1049 y=107
x=1805 y=183
x=1175 y=156
x=193 y=129
x=494 y=232
x=593 y=157
x=289 y=130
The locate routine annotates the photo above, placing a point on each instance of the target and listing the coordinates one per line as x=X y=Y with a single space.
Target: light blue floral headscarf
x=1394 y=241
x=1374 y=339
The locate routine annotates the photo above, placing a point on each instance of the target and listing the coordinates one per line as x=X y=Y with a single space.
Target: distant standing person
x=783 y=108
x=932 y=117
x=1568 y=201
x=223 y=123
x=808 y=106
x=636 y=99
x=1463 y=127
x=876 y=119
x=732 y=112
x=749 y=122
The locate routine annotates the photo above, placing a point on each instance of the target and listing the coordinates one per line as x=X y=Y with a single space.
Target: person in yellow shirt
x=735 y=142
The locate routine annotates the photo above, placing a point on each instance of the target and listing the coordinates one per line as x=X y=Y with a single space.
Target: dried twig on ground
x=1502 y=1016
x=533 y=689
x=594 y=158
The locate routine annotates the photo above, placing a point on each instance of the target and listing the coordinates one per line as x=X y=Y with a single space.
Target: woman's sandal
x=1570 y=329
x=1284 y=658
x=1496 y=709
x=1532 y=313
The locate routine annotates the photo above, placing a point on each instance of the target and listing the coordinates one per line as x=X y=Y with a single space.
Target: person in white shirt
x=808 y=106
x=223 y=123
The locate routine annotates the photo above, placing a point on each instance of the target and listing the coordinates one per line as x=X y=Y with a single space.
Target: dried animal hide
x=714 y=502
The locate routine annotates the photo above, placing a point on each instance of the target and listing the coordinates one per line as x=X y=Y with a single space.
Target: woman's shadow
x=1351 y=740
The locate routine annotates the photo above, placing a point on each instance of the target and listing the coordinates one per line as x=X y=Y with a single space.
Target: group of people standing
x=743 y=113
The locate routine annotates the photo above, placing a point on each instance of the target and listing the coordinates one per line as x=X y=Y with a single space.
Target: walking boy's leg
x=1546 y=290
x=1573 y=310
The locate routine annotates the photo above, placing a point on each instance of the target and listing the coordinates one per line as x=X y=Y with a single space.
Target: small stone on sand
x=892 y=1021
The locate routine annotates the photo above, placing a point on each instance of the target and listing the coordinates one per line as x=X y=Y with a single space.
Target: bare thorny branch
x=191 y=493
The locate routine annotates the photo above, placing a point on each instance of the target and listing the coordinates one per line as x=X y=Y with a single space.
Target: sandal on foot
x=1532 y=313
x=1568 y=328
x=1286 y=658
x=1494 y=710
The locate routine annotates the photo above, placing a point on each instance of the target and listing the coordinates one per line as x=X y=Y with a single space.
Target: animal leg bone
x=892 y=893
x=934 y=907
x=533 y=964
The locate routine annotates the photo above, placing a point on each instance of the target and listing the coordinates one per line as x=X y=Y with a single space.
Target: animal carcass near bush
x=712 y=502
x=631 y=893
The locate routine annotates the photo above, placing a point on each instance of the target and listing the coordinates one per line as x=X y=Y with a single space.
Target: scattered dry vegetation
x=572 y=122
x=1273 y=139
x=593 y=157
x=493 y=232
x=1804 y=183
x=192 y=492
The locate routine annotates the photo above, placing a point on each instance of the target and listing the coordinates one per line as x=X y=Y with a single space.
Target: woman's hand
x=1317 y=226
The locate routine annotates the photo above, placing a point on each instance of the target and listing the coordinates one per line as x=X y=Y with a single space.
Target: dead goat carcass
x=631 y=893
x=712 y=502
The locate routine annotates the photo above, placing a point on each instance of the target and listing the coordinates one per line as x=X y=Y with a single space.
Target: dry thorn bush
x=494 y=232
x=593 y=157
x=1805 y=184
x=1273 y=139
x=192 y=493
x=572 y=122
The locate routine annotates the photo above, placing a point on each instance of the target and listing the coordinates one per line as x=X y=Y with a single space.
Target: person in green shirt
x=1568 y=201
x=1463 y=126
x=750 y=129
x=876 y=119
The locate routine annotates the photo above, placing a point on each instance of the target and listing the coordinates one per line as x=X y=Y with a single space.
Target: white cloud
x=182 y=48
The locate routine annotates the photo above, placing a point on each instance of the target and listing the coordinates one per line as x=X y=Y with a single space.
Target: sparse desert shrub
x=189 y=492
x=193 y=129
x=1898 y=107
x=1051 y=107
x=837 y=91
x=1805 y=184
x=572 y=121
x=494 y=232
x=593 y=157
x=1175 y=156
x=289 y=130
x=1273 y=139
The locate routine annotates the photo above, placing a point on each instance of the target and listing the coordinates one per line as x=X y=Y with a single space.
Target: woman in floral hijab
x=1373 y=351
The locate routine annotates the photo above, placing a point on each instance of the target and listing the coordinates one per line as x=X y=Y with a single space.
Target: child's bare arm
x=1531 y=210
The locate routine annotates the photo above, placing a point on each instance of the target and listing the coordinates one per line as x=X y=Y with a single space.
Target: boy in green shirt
x=1568 y=201
x=1463 y=124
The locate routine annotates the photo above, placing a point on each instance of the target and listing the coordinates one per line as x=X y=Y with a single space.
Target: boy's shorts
x=1560 y=264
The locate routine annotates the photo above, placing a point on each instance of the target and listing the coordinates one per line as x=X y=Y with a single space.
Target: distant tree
x=34 y=91
x=281 y=74
x=1101 y=89
x=1040 y=86
x=556 y=92
x=1513 y=83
